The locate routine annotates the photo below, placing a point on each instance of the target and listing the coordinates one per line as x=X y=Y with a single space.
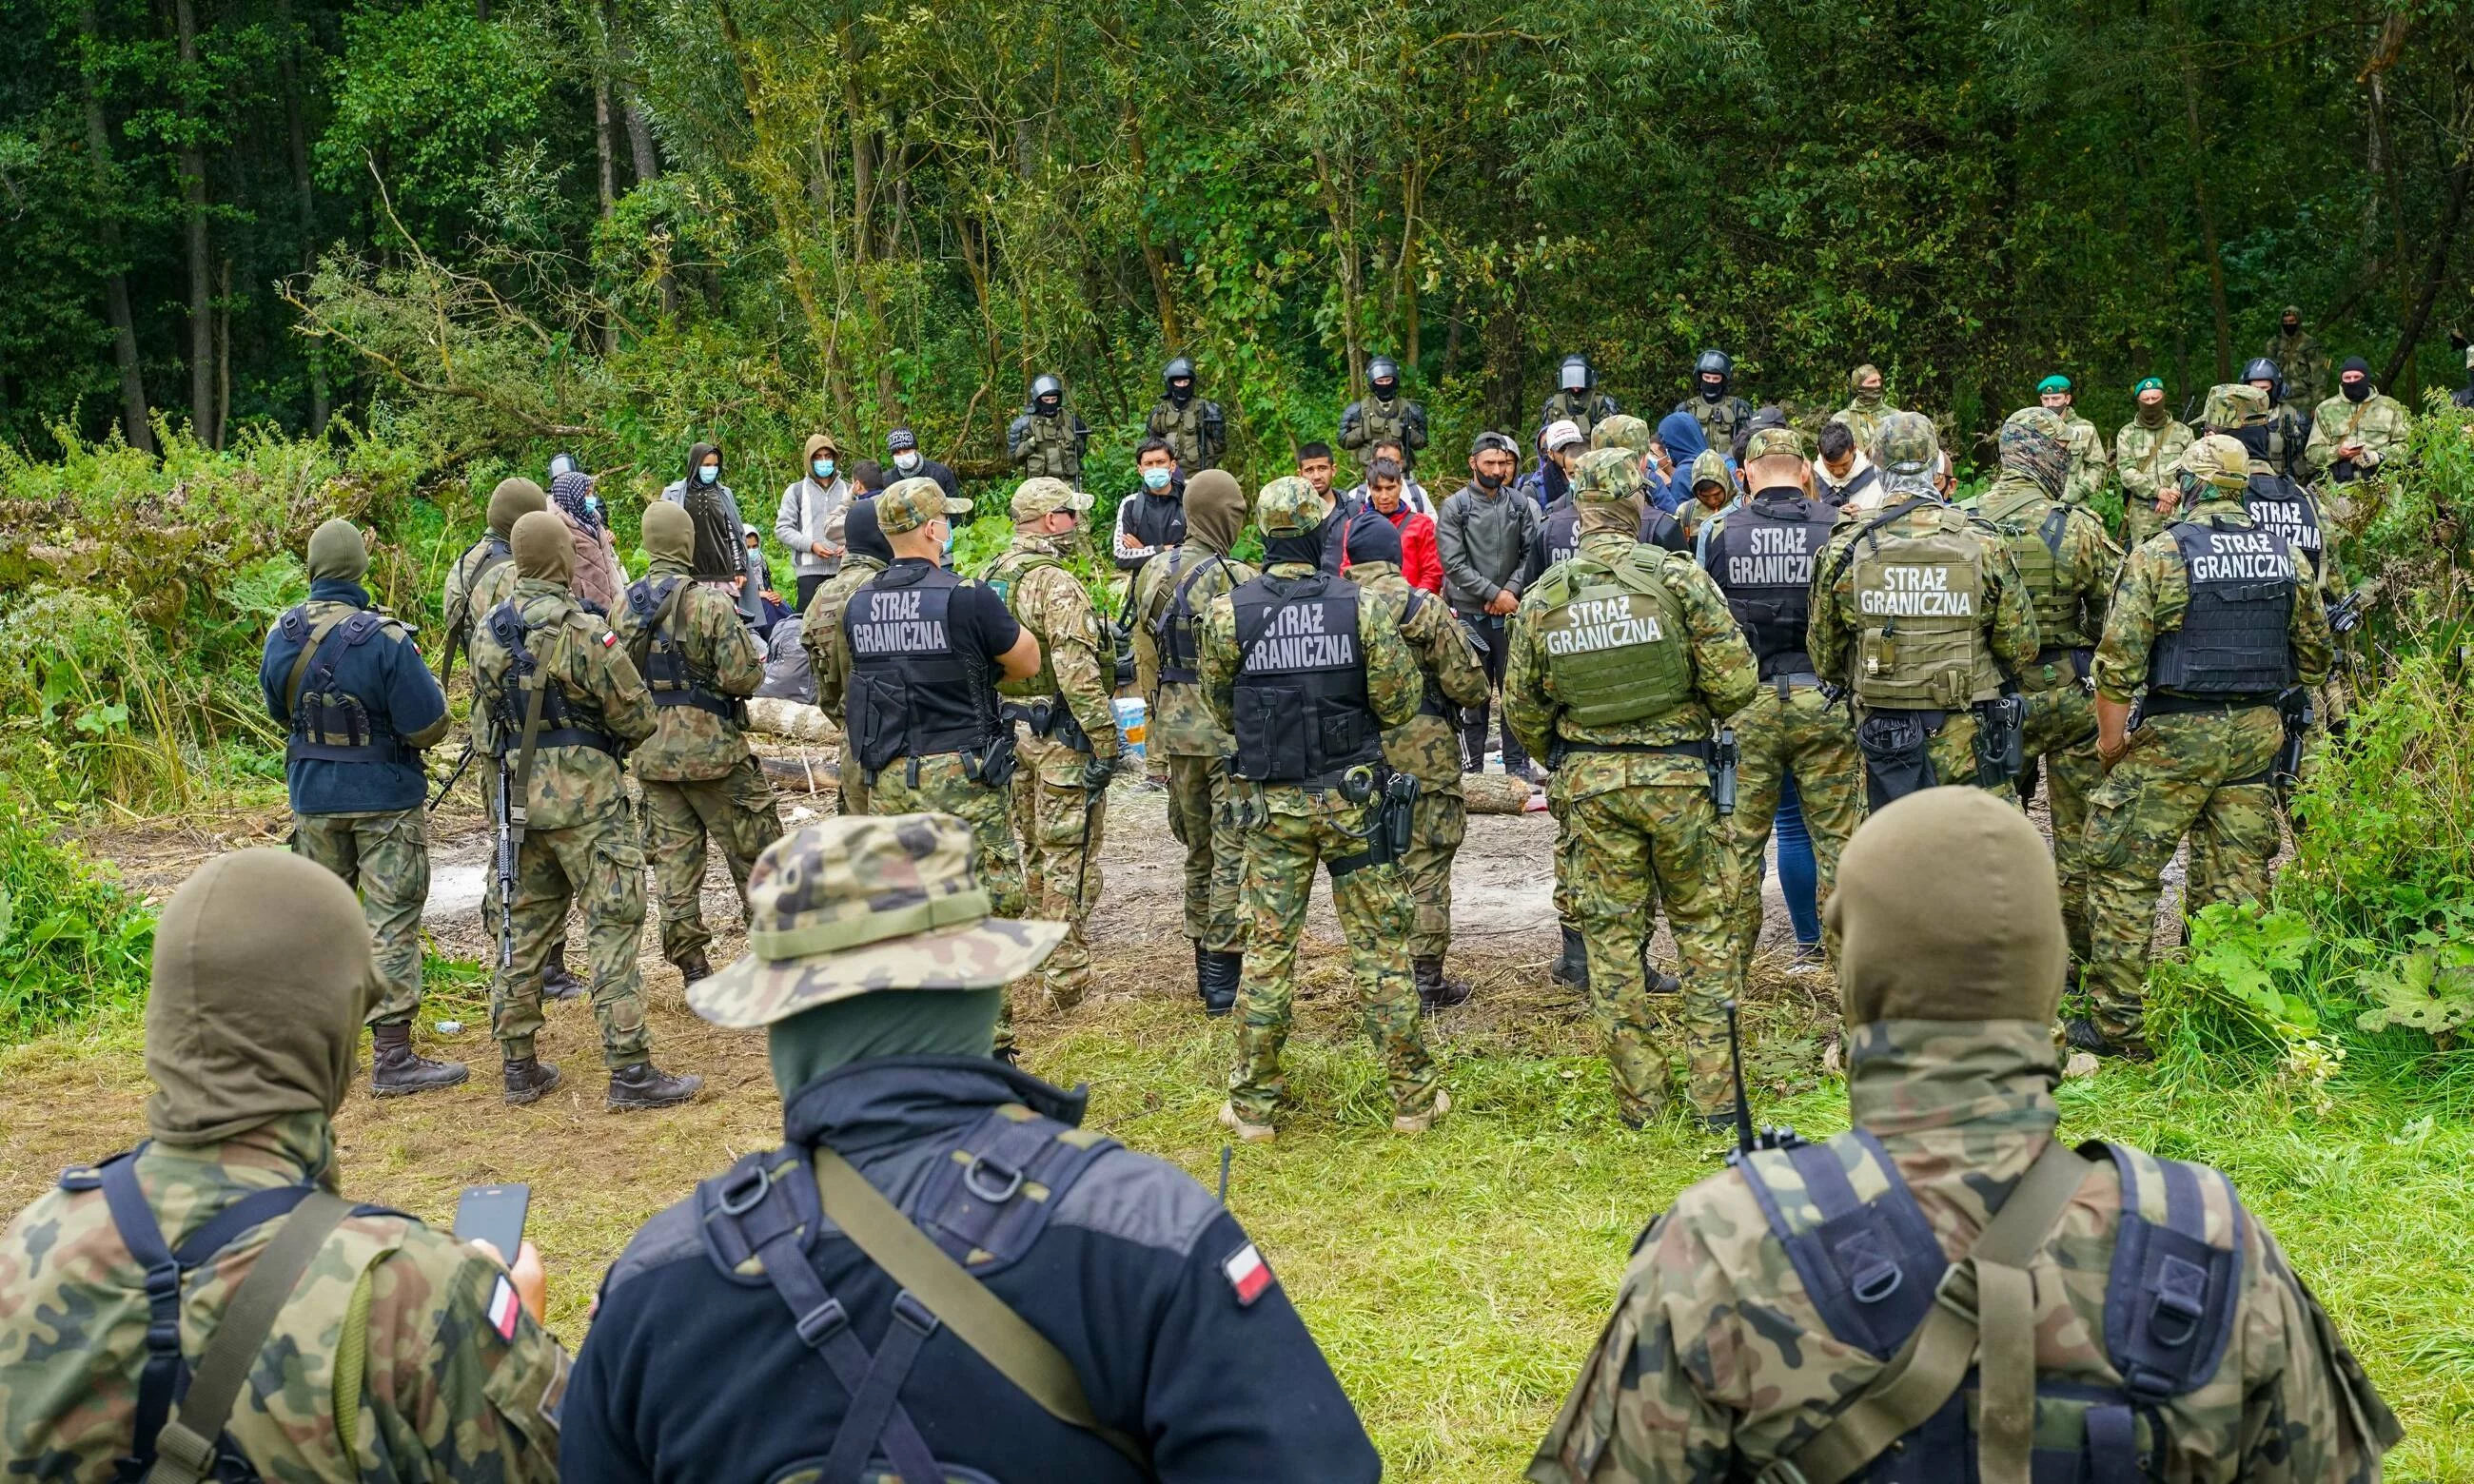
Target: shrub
x=72 y=942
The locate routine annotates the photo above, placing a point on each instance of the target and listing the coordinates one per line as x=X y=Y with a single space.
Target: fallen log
x=1495 y=793
x=792 y=719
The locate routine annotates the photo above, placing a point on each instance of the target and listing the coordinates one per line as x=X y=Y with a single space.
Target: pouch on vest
x=330 y=724
x=1898 y=755
x=878 y=705
x=1271 y=734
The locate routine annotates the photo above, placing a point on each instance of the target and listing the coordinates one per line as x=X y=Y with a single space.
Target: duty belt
x=561 y=736
x=1794 y=679
x=2161 y=703
x=1699 y=750
x=727 y=707
x=2080 y=659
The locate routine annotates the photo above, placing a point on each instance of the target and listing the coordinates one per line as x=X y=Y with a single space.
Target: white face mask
x=906 y=459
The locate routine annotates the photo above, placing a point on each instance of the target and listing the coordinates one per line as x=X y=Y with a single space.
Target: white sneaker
x=1419 y=1124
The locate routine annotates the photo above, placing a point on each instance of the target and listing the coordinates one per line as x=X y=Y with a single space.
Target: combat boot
x=396 y=1071
x=1433 y=991
x=695 y=966
x=1659 y=980
x=1574 y=968
x=1419 y=1124
x=1246 y=1132
x=2084 y=1036
x=646 y=1086
x=528 y=1081
x=1221 y=972
x=556 y=982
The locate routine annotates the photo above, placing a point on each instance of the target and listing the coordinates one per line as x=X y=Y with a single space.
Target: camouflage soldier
x=1577 y=400
x=1762 y=557
x=2356 y=432
x=1047 y=438
x=1195 y=428
x=929 y=1195
x=2144 y=453
x=1308 y=678
x=2086 y=445
x=1869 y=405
x=2106 y=1308
x=459 y=601
x=700 y=664
x=564 y=704
x=1714 y=406
x=1166 y=607
x=2289 y=428
x=349 y=684
x=864 y=554
x=2066 y=563
x=2210 y=618
x=1066 y=727
x=2298 y=352
x=315 y=1339
x=2241 y=411
x=1427 y=746
x=1383 y=413
x=1920 y=615
x=1619 y=658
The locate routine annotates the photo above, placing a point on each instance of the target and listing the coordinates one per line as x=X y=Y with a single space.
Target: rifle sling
x=309 y=647
x=536 y=688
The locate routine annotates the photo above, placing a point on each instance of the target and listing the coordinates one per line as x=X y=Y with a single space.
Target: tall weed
x=72 y=942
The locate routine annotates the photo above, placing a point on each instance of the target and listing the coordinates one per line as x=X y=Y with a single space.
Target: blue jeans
x=1798 y=877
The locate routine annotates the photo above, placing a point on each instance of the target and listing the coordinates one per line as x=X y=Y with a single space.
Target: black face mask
x=2254 y=438
x=1306 y=549
x=1487 y=482
x=1712 y=391
x=1180 y=392
x=2292 y=327
x=1383 y=390
x=2356 y=390
x=1047 y=405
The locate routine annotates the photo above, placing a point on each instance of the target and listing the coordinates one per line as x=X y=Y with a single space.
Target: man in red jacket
x=1385 y=494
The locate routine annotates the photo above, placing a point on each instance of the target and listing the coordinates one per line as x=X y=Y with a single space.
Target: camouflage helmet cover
x=1288 y=506
x=913 y=502
x=1623 y=430
x=2234 y=404
x=1907 y=443
x=1042 y=494
x=2217 y=460
x=1606 y=477
x=1772 y=442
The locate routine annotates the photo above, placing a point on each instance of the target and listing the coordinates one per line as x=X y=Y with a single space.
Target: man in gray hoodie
x=1483 y=532
x=799 y=524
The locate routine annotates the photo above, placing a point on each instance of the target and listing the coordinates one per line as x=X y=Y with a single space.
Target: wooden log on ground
x=792 y=720
x=1495 y=793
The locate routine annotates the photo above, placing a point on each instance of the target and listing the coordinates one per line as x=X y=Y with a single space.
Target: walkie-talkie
x=1747 y=1140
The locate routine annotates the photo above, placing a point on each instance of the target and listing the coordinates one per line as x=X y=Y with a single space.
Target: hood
x=1681 y=433
x=818 y=443
x=721 y=549
x=1215 y=511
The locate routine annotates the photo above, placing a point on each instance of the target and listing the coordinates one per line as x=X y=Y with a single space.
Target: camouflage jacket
x=494 y=587
x=570 y=785
x=1180 y=723
x=2145 y=457
x=2304 y=364
x=2090 y=462
x=1864 y=421
x=1427 y=747
x=820 y=632
x=2379 y=422
x=689 y=744
x=1716 y=1360
x=1197 y=432
x=1394 y=682
x=443 y=1395
x=2155 y=587
x=2083 y=570
x=455 y=600
x=1832 y=629
x=1050 y=601
x=1723 y=676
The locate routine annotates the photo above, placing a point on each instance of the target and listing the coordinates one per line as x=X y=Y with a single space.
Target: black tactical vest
x=1302 y=712
x=913 y=694
x=560 y=725
x=669 y=675
x=1174 y=631
x=329 y=724
x=2280 y=505
x=1762 y=560
x=2232 y=643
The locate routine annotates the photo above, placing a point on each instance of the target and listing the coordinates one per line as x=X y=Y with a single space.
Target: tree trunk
x=296 y=129
x=2197 y=141
x=1413 y=196
x=193 y=201
x=223 y=352
x=134 y=424
x=1343 y=216
x=1154 y=260
x=2459 y=178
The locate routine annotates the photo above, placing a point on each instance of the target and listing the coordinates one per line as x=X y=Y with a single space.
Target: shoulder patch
x=1248 y=1276
x=505 y=1309
x=609 y=639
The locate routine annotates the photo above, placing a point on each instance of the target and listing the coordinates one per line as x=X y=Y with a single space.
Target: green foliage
x=72 y=944
x=2247 y=955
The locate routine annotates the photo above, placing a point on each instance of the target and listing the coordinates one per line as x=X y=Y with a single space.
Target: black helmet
x=563 y=464
x=1044 y=386
x=1577 y=375
x=2261 y=369
x=1381 y=370
x=1714 y=360
x=1180 y=368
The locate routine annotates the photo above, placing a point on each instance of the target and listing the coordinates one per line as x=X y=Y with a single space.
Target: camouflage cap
x=1774 y=442
x=867 y=903
x=1045 y=493
x=1606 y=477
x=912 y=503
x=2042 y=420
x=1288 y=506
x=2234 y=404
x=1907 y=443
x=1623 y=430
x=2217 y=460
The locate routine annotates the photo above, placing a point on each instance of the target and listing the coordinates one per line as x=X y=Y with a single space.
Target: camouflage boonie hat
x=2217 y=460
x=1606 y=477
x=1772 y=442
x=1623 y=430
x=912 y=503
x=1906 y=444
x=1288 y=506
x=2234 y=404
x=1045 y=493
x=862 y=903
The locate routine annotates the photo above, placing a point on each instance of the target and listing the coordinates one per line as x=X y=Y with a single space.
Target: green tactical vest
x=1005 y=579
x=2035 y=547
x=1049 y=447
x=1381 y=420
x=1919 y=602
x=1617 y=643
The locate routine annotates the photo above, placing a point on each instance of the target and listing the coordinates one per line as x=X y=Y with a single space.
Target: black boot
x=1202 y=972
x=646 y=1086
x=1659 y=980
x=394 y=1071
x=1433 y=991
x=1572 y=969
x=695 y=966
x=528 y=1081
x=1221 y=972
x=556 y=982
x=2084 y=1036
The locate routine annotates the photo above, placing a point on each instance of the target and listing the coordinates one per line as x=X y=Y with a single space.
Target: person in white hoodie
x=1842 y=476
x=808 y=506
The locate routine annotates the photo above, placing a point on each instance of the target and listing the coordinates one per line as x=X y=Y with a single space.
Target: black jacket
x=691 y=1373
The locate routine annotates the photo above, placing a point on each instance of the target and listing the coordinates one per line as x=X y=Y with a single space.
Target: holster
x=2000 y=740
x=1898 y=760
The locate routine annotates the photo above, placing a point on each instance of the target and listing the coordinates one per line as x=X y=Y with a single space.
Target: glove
x=1097 y=773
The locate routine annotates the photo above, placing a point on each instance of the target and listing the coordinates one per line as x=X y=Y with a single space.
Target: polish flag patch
x=1249 y=1274
x=504 y=1307
x=609 y=640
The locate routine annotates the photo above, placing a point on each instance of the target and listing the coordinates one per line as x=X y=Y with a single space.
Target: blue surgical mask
x=709 y=474
x=1156 y=479
x=824 y=467
x=592 y=502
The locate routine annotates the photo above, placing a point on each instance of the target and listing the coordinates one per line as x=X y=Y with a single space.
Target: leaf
x=2417 y=997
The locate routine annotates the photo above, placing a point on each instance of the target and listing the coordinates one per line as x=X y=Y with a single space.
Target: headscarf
x=568 y=491
x=892 y=1023
x=721 y=550
x=2030 y=450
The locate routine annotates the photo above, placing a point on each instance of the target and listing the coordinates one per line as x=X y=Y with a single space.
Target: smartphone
x=494 y=1214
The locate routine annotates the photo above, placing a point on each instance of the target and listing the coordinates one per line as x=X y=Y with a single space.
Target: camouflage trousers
x=943 y=787
x=849 y=783
x=1200 y=818
x=736 y=812
x=1063 y=829
x=2190 y=774
x=385 y=857
x=2139 y=521
x=1438 y=824
x=491 y=905
x=599 y=868
x=1643 y=830
x=1798 y=735
x=2061 y=732
x=1283 y=845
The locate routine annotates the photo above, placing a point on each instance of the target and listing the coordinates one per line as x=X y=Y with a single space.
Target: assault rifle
x=506 y=865
x=454 y=777
x=2295 y=707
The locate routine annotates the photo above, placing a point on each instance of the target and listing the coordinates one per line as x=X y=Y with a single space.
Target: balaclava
x=669 y=534
x=542 y=548
x=2355 y=390
x=1215 y=511
x=512 y=501
x=862 y=534
x=337 y=553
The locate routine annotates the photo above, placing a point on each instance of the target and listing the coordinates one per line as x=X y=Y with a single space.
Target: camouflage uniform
x=1863 y=417
x=1196 y=432
x=2090 y=462
x=2379 y=422
x=441 y=1395
x=2201 y=773
x=1637 y=801
x=1180 y=726
x=581 y=847
x=1427 y=746
x=2067 y=563
x=1060 y=818
x=821 y=633
x=1717 y=1359
x=2144 y=453
x=2305 y=365
x=1290 y=827
x=699 y=777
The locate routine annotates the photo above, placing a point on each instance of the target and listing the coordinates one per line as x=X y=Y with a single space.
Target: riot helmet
x=1383 y=375
x=1713 y=363
x=1577 y=377
x=1178 y=377
x=1047 y=395
x=2262 y=369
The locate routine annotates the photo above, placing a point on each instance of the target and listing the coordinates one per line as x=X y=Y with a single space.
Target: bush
x=72 y=942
